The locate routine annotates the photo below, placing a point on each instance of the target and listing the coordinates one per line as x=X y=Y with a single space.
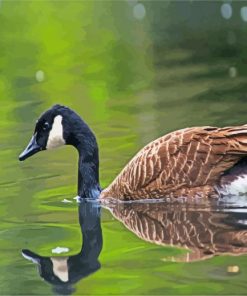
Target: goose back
x=185 y=162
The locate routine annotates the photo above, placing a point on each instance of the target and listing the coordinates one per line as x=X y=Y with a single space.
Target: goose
x=197 y=161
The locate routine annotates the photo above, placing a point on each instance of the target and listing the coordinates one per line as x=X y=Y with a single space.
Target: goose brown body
x=187 y=162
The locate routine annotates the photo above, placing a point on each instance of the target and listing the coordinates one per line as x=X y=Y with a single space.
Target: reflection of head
x=205 y=232
x=63 y=289
x=63 y=271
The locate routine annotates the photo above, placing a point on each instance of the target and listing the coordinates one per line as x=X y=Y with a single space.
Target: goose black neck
x=85 y=142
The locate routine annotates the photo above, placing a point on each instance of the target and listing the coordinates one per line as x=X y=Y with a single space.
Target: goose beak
x=31 y=149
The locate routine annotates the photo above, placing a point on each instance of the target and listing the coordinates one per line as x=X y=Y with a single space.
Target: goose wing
x=188 y=158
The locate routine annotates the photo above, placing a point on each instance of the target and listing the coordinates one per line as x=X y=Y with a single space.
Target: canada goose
x=198 y=161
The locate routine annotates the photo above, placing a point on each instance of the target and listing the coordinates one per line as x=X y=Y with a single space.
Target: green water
x=134 y=72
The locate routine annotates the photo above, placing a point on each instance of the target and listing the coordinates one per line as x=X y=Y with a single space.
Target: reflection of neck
x=89 y=216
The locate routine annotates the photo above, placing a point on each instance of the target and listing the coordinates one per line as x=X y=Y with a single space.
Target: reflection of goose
x=205 y=232
x=62 y=272
x=203 y=161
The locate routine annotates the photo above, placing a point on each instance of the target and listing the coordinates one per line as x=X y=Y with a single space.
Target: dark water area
x=134 y=71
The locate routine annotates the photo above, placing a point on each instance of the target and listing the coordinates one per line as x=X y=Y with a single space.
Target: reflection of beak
x=31 y=149
x=29 y=255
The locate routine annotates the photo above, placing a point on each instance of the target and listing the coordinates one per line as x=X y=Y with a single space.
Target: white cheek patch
x=55 y=138
x=60 y=268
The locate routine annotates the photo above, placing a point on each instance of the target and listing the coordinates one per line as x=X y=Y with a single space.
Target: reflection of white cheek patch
x=55 y=138
x=60 y=268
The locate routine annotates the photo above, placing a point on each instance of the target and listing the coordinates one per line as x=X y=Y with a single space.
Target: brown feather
x=180 y=163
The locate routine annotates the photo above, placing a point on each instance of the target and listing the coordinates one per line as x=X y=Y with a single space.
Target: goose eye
x=45 y=126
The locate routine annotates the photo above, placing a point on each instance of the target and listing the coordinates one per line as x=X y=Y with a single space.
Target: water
x=134 y=73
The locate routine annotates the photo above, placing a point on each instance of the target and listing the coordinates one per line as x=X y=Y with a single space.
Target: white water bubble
x=65 y=200
x=60 y=250
x=139 y=11
x=233 y=72
x=233 y=269
x=226 y=11
x=77 y=198
x=40 y=76
x=243 y=13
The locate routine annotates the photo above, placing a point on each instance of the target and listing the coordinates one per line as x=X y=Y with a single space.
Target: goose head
x=59 y=126
x=56 y=127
